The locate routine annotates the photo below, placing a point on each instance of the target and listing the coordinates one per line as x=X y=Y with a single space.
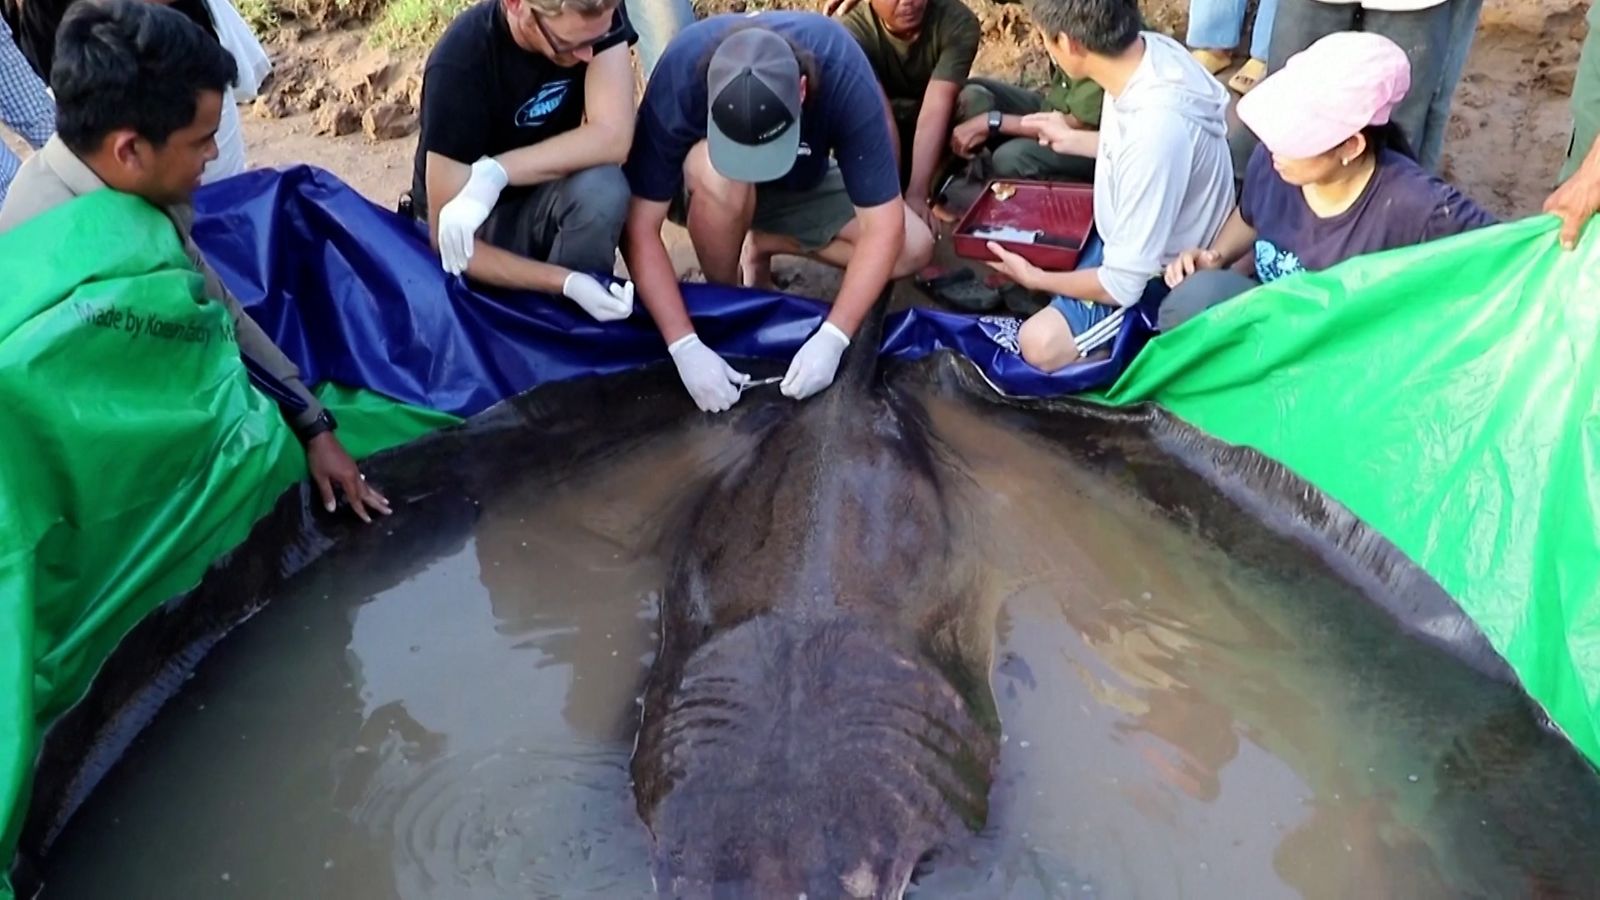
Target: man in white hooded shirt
x=1163 y=173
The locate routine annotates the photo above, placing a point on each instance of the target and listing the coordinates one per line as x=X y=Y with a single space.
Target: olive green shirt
x=1077 y=97
x=942 y=51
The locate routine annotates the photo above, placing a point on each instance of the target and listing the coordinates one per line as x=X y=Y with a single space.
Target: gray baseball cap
x=753 y=88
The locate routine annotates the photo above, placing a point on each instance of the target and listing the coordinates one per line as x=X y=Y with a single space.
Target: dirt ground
x=1508 y=133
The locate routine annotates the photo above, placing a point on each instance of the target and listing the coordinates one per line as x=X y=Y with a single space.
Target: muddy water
x=453 y=717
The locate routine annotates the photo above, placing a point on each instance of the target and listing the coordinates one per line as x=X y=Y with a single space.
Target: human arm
x=712 y=383
x=1058 y=132
x=1231 y=245
x=957 y=33
x=838 y=7
x=602 y=139
x=927 y=149
x=881 y=236
x=330 y=466
x=327 y=461
x=650 y=266
x=969 y=136
x=1578 y=199
x=864 y=149
x=484 y=262
x=1455 y=213
x=1080 y=284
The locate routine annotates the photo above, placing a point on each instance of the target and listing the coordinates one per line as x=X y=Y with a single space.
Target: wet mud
x=1193 y=702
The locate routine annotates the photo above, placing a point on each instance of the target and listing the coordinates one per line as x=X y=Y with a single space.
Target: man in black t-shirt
x=527 y=115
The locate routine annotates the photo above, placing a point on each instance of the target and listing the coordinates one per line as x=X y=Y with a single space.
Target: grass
x=260 y=15
x=414 y=23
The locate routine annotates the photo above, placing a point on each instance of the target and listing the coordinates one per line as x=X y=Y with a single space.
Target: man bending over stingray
x=780 y=128
x=139 y=93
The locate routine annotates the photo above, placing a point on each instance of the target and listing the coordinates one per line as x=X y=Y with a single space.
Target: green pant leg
x=980 y=95
x=1585 y=100
x=1029 y=160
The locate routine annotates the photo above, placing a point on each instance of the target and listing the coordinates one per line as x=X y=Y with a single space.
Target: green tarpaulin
x=1449 y=395
x=136 y=452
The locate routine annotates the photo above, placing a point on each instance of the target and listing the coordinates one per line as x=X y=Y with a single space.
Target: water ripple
x=514 y=821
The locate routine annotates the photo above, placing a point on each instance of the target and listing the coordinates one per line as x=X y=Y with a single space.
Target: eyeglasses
x=566 y=48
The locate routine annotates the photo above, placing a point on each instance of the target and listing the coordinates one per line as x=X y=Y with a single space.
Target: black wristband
x=324 y=422
x=996 y=119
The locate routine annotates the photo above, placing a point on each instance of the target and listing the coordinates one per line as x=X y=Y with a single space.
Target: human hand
x=838 y=7
x=1575 y=201
x=605 y=304
x=330 y=465
x=460 y=219
x=1054 y=130
x=712 y=383
x=814 y=367
x=1190 y=262
x=970 y=136
x=1013 y=266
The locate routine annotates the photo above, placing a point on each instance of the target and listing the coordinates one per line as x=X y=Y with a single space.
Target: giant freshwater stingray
x=819 y=717
x=818 y=714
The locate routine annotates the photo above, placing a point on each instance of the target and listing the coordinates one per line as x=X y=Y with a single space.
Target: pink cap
x=1327 y=93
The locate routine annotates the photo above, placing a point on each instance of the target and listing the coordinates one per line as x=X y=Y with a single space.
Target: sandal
x=970 y=296
x=1214 y=61
x=960 y=289
x=1248 y=76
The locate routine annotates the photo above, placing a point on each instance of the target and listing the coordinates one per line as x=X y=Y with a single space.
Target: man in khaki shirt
x=139 y=92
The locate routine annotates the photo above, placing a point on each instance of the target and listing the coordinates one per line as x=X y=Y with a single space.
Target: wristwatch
x=323 y=422
x=995 y=121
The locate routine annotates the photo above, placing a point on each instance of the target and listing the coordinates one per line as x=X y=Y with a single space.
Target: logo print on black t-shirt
x=534 y=113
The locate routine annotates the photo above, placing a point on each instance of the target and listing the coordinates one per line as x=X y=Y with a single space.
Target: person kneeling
x=922 y=52
x=527 y=112
x=1332 y=179
x=752 y=110
x=1163 y=174
x=139 y=92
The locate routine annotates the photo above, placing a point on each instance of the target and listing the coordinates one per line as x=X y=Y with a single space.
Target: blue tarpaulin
x=353 y=294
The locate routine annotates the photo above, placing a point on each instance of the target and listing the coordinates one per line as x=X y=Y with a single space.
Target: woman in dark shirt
x=1332 y=179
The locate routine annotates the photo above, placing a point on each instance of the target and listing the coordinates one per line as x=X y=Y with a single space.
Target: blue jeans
x=1463 y=28
x=1215 y=25
x=657 y=22
x=1424 y=34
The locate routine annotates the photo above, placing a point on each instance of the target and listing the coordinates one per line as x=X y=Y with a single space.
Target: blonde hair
x=588 y=9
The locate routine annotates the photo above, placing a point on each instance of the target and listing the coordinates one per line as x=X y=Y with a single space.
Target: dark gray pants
x=1019 y=157
x=1423 y=34
x=574 y=222
x=1198 y=293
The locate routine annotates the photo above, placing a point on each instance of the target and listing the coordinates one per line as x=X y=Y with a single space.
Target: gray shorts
x=813 y=218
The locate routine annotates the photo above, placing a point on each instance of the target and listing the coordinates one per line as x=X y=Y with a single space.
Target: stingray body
x=819 y=716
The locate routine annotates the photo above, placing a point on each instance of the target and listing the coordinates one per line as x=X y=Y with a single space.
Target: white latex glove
x=712 y=383
x=460 y=219
x=817 y=362
x=606 y=304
